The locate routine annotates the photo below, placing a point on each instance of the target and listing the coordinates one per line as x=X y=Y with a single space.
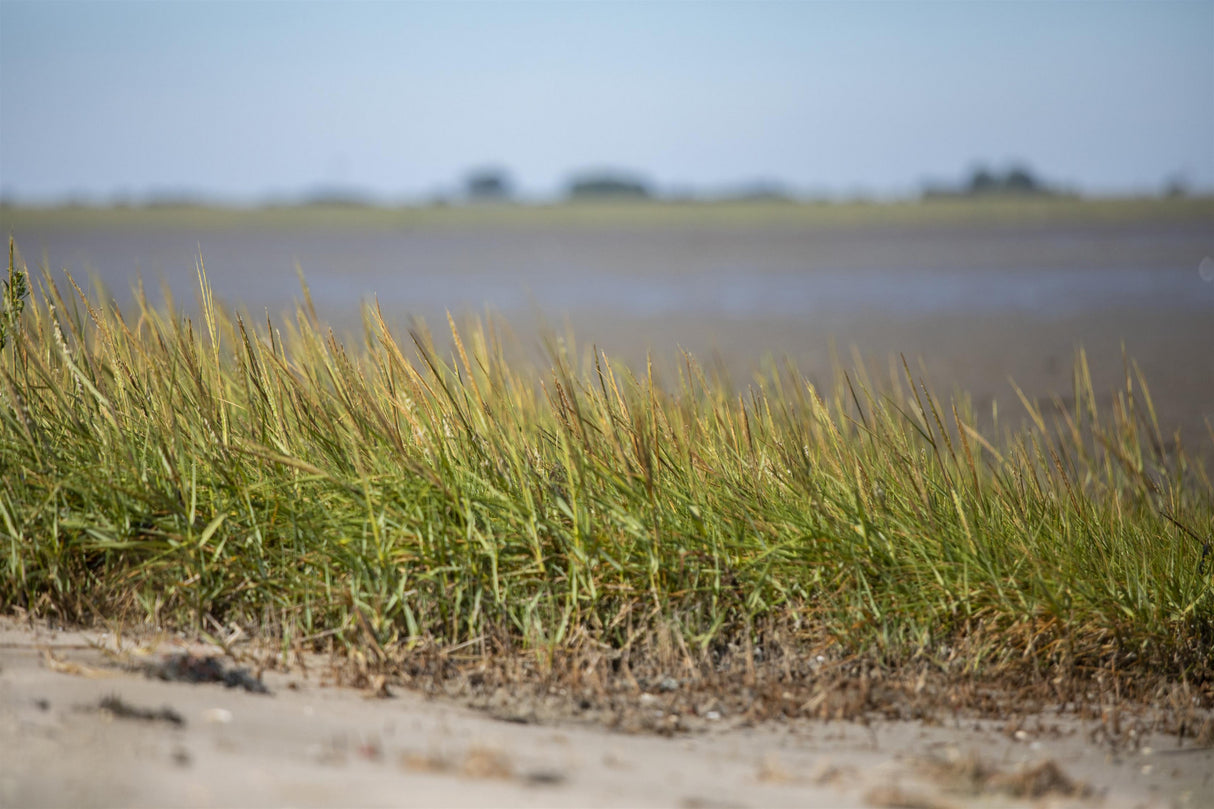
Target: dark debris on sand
x=188 y=668
x=121 y=709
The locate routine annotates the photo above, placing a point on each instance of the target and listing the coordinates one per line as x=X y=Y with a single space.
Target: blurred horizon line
x=494 y=184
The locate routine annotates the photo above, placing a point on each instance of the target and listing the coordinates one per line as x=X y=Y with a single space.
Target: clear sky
x=241 y=100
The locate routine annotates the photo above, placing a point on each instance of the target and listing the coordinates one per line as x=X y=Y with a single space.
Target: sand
x=311 y=743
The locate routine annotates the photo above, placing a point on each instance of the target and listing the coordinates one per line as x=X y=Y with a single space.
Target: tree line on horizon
x=495 y=185
x=492 y=184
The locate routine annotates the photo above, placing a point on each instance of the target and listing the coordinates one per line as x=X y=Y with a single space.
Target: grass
x=391 y=494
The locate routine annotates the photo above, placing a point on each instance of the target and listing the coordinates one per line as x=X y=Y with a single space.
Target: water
x=739 y=273
x=738 y=293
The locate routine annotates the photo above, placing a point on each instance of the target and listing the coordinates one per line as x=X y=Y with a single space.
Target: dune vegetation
x=212 y=471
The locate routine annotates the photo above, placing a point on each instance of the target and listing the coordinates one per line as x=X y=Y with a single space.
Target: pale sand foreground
x=315 y=745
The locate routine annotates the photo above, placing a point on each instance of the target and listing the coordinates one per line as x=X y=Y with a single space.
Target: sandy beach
x=82 y=726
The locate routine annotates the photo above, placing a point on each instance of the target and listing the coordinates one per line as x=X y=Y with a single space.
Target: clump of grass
x=160 y=468
x=12 y=302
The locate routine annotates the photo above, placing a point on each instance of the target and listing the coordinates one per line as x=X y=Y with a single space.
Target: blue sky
x=241 y=100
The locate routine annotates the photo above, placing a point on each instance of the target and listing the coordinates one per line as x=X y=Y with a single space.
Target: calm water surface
x=736 y=273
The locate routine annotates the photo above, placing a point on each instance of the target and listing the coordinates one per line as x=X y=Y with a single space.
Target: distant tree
x=982 y=181
x=1021 y=181
x=608 y=185
x=1175 y=187
x=488 y=185
x=1018 y=179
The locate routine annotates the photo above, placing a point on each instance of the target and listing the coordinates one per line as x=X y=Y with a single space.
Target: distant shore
x=1010 y=209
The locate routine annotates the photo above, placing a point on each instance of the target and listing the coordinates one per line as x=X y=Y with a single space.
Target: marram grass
x=158 y=468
